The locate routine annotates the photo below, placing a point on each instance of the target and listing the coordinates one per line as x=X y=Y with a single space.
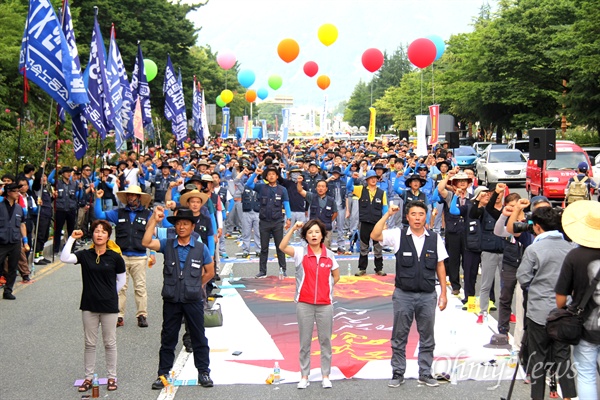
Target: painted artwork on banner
x=372 y=122
x=225 y=128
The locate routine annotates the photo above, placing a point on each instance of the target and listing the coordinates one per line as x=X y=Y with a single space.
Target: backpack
x=578 y=190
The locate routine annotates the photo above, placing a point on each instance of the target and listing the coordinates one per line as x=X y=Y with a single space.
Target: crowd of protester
x=353 y=196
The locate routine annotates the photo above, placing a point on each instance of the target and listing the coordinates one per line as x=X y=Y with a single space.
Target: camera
x=527 y=226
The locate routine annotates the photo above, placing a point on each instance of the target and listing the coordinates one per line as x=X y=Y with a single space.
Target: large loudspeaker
x=403 y=135
x=452 y=138
x=542 y=144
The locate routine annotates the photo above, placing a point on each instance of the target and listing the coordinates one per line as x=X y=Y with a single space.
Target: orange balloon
x=250 y=96
x=288 y=50
x=323 y=81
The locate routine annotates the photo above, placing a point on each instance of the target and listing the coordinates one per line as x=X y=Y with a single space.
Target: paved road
x=41 y=350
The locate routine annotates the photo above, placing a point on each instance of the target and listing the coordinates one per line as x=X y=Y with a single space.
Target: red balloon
x=311 y=68
x=372 y=59
x=422 y=52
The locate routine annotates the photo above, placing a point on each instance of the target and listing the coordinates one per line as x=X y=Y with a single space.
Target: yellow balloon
x=328 y=34
x=227 y=96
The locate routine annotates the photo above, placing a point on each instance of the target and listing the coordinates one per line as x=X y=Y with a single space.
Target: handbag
x=566 y=324
x=213 y=317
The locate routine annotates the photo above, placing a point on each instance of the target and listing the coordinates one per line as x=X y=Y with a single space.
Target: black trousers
x=169 y=336
x=13 y=252
x=42 y=233
x=70 y=217
x=455 y=247
x=545 y=353
x=267 y=228
x=508 y=279
x=471 y=263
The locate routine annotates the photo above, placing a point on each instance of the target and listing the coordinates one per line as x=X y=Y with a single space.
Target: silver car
x=501 y=165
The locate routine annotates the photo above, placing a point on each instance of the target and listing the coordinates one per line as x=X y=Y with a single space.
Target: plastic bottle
x=276 y=374
x=231 y=275
x=95 y=387
x=454 y=376
x=485 y=318
x=349 y=273
x=280 y=274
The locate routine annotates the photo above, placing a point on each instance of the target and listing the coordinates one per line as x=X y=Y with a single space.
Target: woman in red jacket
x=316 y=273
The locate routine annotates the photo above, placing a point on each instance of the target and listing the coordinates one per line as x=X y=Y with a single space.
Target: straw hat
x=133 y=189
x=460 y=176
x=581 y=223
x=184 y=199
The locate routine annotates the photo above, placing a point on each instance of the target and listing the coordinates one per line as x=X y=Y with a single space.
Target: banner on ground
x=434 y=114
x=372 y=122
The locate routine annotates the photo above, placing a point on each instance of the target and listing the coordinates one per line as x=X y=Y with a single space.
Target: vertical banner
x=225 y=127
x=421 y=132
x=138 y=124
x=372 y=122
x=263 y=134
x=285 y=124
x=434 y=114
x=245 y=136
x=323 y=127
x=311 y=120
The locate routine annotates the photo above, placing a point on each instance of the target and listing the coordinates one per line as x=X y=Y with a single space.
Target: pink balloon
x=226 y=60
x=421 y=52
x=311 y=68
x=372 y=59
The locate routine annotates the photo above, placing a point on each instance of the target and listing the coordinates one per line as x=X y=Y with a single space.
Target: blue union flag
x=47 y=60
x=174 y=103
x=140 y=88
x=99 y=111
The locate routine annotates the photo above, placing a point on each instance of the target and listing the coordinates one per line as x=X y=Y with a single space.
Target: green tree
x=357 y=110
x=267 y=110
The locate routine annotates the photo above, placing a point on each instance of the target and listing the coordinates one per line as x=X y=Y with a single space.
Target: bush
x=583 y=137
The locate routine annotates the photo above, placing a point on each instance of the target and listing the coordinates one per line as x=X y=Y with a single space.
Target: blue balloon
x=246 y=78
x=262 y=93
x=440 y=46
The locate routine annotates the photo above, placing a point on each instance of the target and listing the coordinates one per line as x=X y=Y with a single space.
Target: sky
x=252 y=29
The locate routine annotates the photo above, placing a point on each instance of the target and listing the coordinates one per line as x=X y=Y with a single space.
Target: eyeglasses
x=87 y=169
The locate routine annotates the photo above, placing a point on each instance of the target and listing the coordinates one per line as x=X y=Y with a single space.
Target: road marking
x=40 y=274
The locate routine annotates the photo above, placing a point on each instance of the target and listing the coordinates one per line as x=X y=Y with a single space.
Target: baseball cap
x=582 y=166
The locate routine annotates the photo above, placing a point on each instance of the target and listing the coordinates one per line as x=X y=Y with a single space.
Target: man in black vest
x=455 y=224
x=12 y=232
x=131 y=224
x=420 y=255
x=161 y=183
x=249 y=216
x=273 y=198
x=188 y=267
x=372 y=203
x=336 y=188
x=413 y=183
x=320 y=206
x=66 y=205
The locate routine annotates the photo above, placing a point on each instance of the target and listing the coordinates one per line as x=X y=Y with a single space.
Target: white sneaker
x=326 y=383
x=303 y=384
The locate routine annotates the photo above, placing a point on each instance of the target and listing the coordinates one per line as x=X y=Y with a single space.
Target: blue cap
x=371 y=174
x=582 y=166
x=538 y=199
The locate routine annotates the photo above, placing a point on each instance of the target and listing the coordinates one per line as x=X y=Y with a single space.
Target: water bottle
x=95 y=387
x=32 y=271
x=453 y=336
x=170 y=382
x=485 y=318
x=231 y=275
x=276 y=374
x=349 y=273
x=280 y=274
x=454 y=376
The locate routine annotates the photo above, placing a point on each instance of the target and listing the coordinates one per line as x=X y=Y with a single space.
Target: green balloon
x=275 y=82
x=151 y=69
x=220 y=101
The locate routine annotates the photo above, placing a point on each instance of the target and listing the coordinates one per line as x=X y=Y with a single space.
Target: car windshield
x=465 y=151
x=506 y=156
x=523 y=146
x=566 y=160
